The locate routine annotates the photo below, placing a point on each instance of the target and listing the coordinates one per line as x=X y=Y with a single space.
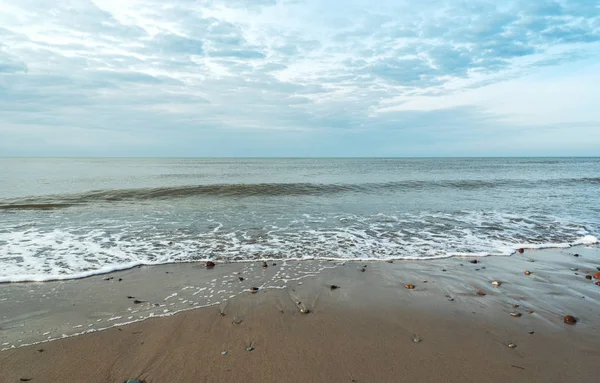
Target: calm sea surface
x=66 y=218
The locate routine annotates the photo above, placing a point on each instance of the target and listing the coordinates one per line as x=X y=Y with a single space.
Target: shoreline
x=440 y=329
x=587 y=240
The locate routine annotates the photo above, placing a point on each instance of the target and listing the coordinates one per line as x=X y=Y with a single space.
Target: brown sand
x=363 y=332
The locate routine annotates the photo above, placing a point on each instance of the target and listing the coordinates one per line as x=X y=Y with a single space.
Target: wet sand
x=370 y=329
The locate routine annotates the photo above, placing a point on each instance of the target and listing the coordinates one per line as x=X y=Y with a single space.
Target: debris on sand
x=304 y=310
x=511 y=345
x=409 y=286
x=254 y=290
x=569 y=319
x=334 y=287
x=241 y=279
x=474 y=261
x=515 y=314
x=416 y=339
x=481 y=293
x=362 y=269
x=527 y=272
x=264 y=265
x=521 y=250
x=588 y=277
x=496 y=283
x=210 y=264
x=137 y=301
x=597 y=275
x=515 y=305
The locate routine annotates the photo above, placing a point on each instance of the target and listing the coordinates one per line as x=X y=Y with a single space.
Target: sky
x=299 y=78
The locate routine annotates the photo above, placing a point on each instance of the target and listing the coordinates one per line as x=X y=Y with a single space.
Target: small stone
x=416 y=339
x=130 y=297
x=241 y=279
x=300 y=283
x=527 y=272
x=210 y=264
x=597 y=275
x=362 y=269
x=120 y=279
x=515 y=305
x=474 y=261
x=137 y=301
x=514 y=314
x=304 y=310
x=254 y=290
x=569 y=319
x=576 y=255
x=496 y=283
x=588 y=277
x=224 y=352
x=443 y=269
x=521 y=250
x=481 y=293
x=334 y=287
x=250 y=348
x=40 y=350
x=264 y=265
x=108 y=278
x=531 y=332
x=451 y=299
x=390 y=261
x=597 y=283
x=409 y=286
x=511 y=345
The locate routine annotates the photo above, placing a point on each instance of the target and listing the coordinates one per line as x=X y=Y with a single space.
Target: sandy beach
x=454 y=325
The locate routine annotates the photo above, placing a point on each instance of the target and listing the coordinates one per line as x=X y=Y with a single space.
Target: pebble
x=304 y=311
x=137 y=301
x=569 y=319
x=224 y=352
x=576 y=255
x=264 y=265
x=250 y=348
x=253 y=289
x=521 y=250
x=409 y=286
x=597 y=275
x=362 y=269
x=511 y=345
x=481 y=293
x=598 y=283
x=474 y=261
x=496 y=283
x=241 y=279
x=333 y=287
x=588 y=277
x=515 y=305
x=527 y=272
x=416 y=339
x=574 y=269
x=210 y=264
x=514 y=314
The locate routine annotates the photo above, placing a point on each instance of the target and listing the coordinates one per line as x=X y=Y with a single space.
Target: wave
x=268 y=189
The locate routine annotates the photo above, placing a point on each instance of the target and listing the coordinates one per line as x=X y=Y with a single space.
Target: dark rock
x=531 y=332
x=274 y=264
x=481 y=293
x=210 y=264
x=597 y=283
x=576 y=255
x=569 y=319
x=334 y=287
x=521 y=250
x=120 y=279
x=240 y=279
x=362 y=269
x=108 y=278
x=41 y=350
x=137 y=301
x=264 y=265
x=24 y=379
x=130 y=297
x=474 y=261
x=588 y=277
x=253 y=289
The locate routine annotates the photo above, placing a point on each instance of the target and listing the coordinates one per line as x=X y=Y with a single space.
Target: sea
x=67 y=218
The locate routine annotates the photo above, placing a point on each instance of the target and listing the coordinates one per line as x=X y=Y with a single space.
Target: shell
x=496 y=283
x=569 y=319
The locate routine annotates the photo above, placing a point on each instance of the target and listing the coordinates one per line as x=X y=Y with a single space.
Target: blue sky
x=299 y=78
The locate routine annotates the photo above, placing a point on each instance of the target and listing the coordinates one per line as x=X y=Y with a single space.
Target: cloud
x=329 y=76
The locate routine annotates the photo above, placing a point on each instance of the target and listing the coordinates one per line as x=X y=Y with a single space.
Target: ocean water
x=71 y=218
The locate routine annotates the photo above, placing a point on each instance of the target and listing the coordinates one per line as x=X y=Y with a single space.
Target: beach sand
x=370 y=329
